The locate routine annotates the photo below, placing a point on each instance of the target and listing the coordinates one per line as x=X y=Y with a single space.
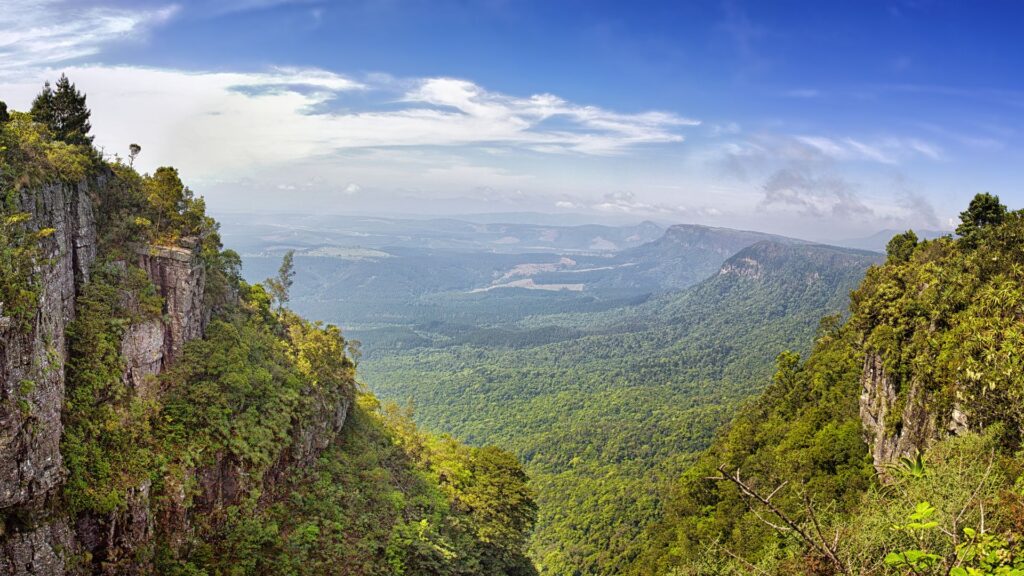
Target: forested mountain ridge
x=388 y=280
x=160 y=415
x=603 y=406
x=893 y=448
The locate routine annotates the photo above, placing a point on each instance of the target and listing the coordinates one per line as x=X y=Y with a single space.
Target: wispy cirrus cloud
x=487 y=116
x=887 y=150
x=45 y=32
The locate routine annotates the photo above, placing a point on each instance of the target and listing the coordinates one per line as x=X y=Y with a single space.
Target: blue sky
x=819 y=119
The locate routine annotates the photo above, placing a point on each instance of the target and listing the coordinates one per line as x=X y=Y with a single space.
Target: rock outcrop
x=143 y=350
x=181 y=280
x=897 y=423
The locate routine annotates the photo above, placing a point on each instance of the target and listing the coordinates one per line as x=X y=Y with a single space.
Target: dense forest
x=203 y=427
x=604 y=408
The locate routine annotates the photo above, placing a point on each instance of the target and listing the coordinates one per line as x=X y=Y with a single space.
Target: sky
x=824 y=120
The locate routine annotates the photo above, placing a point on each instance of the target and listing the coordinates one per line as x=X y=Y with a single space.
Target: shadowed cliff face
x=32 y=379
x=31 y=361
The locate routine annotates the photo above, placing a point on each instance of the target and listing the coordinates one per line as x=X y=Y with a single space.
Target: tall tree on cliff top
x=281 y=285
x=984 y=210
x=64 y=112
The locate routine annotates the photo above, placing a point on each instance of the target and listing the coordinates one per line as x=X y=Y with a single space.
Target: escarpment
x=180 y=279
x=32 y=355
x=42 y=533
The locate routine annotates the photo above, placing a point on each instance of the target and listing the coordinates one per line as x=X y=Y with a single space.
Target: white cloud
x=219 y=124
x=41 y=32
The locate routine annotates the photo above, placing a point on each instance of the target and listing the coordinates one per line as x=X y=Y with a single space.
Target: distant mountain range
x=256 y=234
x=574 y=346
x=380 y=270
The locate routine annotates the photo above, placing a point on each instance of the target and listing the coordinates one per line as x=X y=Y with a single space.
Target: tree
x=282 y=284
x=984 y=210
x=4 y=115
x=133 y=152
x=64 y=112
x=901 y=246
x=167 y=196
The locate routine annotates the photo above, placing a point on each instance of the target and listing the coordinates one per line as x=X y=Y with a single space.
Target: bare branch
x=821 y=547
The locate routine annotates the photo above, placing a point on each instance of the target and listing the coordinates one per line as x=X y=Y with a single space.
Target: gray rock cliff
x=898 y=425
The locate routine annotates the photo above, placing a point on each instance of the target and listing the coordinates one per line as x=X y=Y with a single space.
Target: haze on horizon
x=824 y=121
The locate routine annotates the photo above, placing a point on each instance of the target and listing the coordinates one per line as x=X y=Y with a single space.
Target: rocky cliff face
x=32 y=377
x=897 y=425
x=37 y=537
x=181 y=280
x=31 y=361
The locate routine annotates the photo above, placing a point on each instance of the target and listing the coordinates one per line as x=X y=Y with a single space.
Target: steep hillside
x=159 y=415
x=894 y=447
x=614 y=401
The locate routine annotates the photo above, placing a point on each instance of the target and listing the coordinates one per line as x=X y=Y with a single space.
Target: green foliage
x=984 y=210
x=30 y=155
x=64 y=112
x=4 y=114
x=20 y=253
x=385 y=499
x=803 y=431
x=943 y=318
x=901 y=246
x=947 y=322
x=174 y=211
x=107 y=444
x=232 y=391
x=957 y=518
